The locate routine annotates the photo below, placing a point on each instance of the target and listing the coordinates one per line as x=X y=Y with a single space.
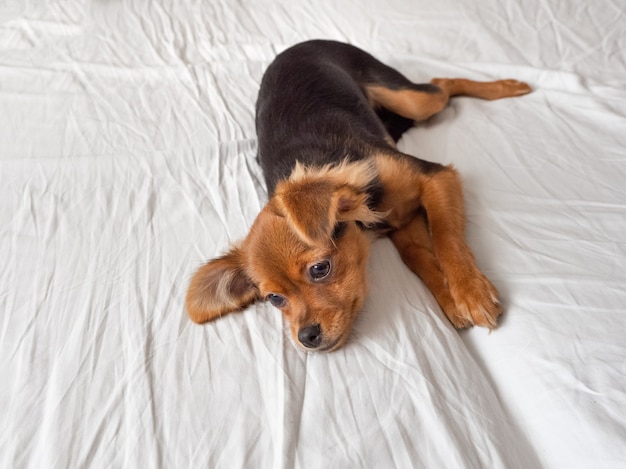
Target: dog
x=328 y=117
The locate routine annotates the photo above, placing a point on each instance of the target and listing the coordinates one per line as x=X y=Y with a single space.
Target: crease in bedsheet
x=543 y=29
x=390 y=430
x=431 y=389
x=113 y=137
x=101 y=122
x=381 y=414
x=145 y=208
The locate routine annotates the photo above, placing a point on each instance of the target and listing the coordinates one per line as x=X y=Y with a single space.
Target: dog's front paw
x=476 y=302
x=457 y=320
x=448 y=306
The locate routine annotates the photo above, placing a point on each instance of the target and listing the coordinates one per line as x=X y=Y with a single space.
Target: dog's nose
x=310 y=336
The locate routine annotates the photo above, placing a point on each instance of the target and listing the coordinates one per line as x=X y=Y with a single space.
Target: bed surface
x=127 y=159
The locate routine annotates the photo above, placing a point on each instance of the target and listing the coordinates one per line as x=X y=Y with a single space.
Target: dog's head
x=306 y=254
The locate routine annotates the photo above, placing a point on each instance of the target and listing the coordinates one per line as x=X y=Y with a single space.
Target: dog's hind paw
x=506 y=89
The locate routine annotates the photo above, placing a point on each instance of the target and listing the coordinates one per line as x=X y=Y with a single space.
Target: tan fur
x=314 y=199
x=423 y=212
x=443 y=260
x=481 y=89
x=219 y=287
x=419 y=106
x=408 y=103
x=357 y=174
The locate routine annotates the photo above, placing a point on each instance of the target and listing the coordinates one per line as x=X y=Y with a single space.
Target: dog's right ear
x=220 y=287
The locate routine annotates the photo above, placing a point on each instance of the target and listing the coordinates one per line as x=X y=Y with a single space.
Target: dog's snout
x=310 y=336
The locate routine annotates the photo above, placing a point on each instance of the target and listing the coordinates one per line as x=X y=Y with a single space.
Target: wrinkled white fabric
x=127 y=159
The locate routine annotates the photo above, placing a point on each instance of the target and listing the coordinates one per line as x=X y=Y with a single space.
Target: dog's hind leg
x=481 y=89
x=411 y=102
x=419 y=102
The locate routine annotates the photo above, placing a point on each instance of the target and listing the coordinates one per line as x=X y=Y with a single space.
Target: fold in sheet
x=127 y=159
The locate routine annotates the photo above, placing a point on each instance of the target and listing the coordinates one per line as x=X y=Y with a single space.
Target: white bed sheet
x=127 y=158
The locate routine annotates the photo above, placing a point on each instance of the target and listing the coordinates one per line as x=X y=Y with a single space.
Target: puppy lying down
x=328 y=116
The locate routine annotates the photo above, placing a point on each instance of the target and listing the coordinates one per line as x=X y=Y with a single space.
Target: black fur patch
x=339 y=230
x=312 y=108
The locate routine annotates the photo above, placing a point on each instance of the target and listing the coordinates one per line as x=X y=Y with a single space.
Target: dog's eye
x=320 y=270
x=276 y=300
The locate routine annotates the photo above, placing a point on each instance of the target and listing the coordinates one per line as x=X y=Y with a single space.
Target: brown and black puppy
x=328 y=116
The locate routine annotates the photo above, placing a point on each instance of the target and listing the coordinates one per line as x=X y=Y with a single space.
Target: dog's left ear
x=314 y=207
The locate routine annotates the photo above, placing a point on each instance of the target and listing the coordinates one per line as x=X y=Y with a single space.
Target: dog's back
x=313 y=107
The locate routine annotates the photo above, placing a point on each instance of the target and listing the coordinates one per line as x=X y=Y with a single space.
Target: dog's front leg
x=433 y=244
x=415 y=247
x=475 y=297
